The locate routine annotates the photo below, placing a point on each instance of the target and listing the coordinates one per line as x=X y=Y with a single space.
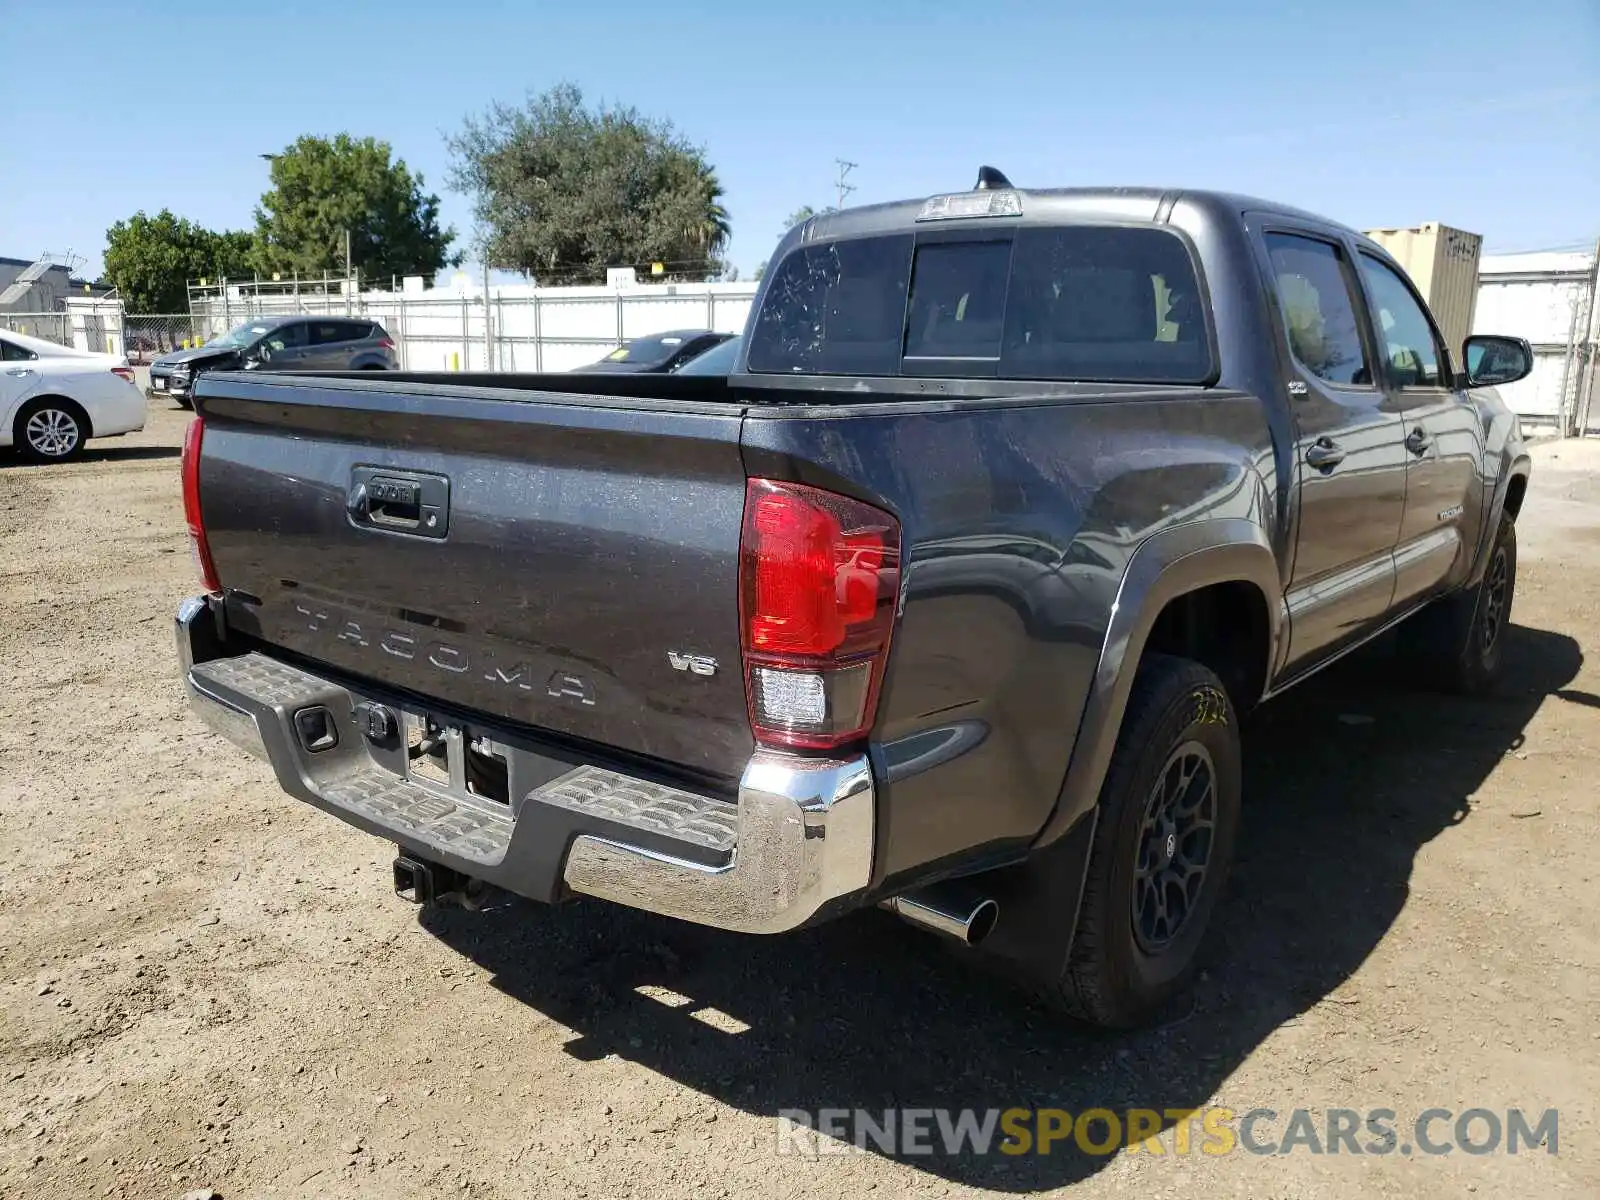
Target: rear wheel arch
x=57 y=400
x=1176 y=585
x=1225 y=626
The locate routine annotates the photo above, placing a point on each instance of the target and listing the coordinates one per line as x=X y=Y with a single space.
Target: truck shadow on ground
x=1348 y=777
x=95 y=454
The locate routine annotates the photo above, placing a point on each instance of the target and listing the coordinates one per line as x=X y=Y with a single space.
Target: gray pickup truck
x=947 y=599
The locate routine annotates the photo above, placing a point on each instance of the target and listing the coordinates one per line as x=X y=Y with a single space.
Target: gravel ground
x=204 y=984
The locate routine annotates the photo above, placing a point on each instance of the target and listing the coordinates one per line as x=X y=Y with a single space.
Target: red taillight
x=190 y=470
x=819 y=577
x=386 y=343
x=123 y=373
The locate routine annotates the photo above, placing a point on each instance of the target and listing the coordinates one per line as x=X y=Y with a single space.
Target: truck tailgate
x=565 y=563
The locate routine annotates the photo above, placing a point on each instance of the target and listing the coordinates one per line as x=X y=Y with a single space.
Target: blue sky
x=1481 y=115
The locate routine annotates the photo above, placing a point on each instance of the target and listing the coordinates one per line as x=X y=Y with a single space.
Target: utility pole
x=845 y=167
x=348 y=280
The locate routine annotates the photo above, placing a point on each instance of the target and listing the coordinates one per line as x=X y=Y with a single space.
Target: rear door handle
x=1325 y=454
x=20 y=372
x=1418 y=441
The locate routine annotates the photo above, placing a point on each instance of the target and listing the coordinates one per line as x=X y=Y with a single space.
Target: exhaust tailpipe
x=948 y=910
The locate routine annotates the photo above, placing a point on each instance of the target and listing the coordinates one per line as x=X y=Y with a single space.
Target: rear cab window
x=1096 y=303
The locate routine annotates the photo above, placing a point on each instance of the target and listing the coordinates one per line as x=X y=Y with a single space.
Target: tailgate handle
x=399 y=502
x=394 y=502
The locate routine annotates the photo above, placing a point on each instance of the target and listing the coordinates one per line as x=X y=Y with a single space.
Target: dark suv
x=293 y=343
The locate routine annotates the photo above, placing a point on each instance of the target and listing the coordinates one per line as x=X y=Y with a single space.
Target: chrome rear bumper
x=803 y=827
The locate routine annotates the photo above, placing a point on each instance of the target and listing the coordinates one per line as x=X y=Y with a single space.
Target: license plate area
x=433 y=753
x=445 y=756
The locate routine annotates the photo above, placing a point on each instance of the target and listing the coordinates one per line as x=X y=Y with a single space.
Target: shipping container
x=1443 y=263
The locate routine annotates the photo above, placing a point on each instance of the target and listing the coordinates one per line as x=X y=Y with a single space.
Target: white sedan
x=54 y=398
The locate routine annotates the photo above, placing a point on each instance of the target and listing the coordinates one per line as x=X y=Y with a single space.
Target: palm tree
x=715 y=227
x=694 y=226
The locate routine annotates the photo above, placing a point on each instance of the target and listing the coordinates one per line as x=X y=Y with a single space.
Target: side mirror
x=1493 y=361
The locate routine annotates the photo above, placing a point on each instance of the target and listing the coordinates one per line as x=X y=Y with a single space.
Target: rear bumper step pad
x=798 y=839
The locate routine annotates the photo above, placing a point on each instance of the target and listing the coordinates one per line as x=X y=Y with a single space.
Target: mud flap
x=1039 y=902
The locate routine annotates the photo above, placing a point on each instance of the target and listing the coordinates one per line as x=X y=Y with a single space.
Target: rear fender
x=1167 y=565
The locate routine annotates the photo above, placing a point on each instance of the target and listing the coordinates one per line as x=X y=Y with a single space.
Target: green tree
x=804 y=213
x=233 y=255
x=152 y=260
x=563 y=191
x=323 y=187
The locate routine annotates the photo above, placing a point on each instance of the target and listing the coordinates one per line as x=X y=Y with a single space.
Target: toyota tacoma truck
x=947 y=599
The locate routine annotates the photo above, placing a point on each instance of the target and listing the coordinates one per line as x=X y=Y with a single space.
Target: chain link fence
x=51 y=326
x=147 y=336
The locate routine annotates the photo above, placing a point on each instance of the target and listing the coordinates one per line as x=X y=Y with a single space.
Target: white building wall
x=1549 y=299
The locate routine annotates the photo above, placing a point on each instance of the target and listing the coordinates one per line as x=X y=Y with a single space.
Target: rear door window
x=1318 y=300
x=324 y=333
x=1093 y=303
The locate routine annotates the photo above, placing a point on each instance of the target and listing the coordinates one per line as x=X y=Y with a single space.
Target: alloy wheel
x=1494 y=600
x=1174 y=847
x=52 y=432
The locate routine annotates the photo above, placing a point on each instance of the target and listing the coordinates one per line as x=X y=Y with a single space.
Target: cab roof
x=1060 y=205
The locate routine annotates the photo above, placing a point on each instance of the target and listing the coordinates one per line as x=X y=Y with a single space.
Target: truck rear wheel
x=1163 y=844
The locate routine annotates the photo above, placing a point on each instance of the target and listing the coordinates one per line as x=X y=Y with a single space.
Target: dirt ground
x=204 y=984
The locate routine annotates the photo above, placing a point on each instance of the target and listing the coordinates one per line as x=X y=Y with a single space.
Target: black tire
x=50 y=429
x=184 y=401
x=1140 y=931
x=1458 y=642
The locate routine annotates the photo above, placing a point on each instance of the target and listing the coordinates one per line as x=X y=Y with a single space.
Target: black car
x=658 y=353
x=719 y=360
x=291 y=343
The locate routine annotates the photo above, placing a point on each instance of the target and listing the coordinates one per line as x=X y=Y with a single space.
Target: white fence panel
x=528 y=328
x=1538 y=397
x=1543 y=311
